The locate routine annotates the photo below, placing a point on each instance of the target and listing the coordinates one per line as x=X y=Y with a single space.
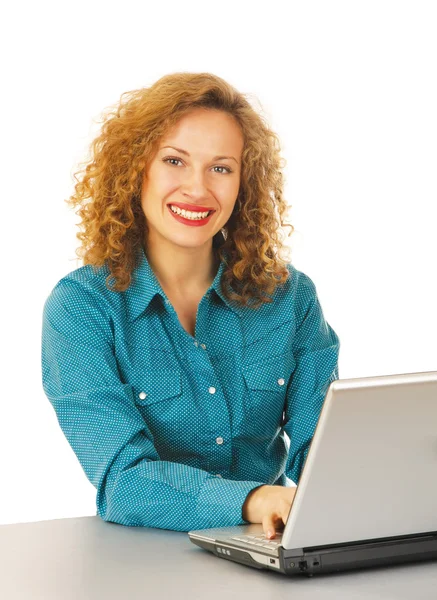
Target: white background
x=351 y=90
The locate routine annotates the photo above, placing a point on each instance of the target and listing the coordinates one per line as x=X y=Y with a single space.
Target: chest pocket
x=271 y=374
x=266 y=383
x=157 y=385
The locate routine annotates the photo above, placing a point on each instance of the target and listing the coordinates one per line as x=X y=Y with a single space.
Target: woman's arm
x=110 y=437
x=316 y=348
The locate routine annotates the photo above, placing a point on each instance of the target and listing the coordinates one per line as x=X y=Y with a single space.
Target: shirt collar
x=145 y=286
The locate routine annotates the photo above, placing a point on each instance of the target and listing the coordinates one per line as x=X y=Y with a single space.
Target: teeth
x=188 y=214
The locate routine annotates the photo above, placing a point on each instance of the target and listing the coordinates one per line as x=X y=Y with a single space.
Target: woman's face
x=195 y=178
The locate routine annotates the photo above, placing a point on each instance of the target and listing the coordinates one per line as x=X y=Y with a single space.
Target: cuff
x=220 y=501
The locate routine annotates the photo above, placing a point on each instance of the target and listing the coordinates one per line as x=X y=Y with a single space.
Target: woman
x=175 y=385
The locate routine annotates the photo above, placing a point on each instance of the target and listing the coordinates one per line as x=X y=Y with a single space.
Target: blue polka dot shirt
x=172 y=430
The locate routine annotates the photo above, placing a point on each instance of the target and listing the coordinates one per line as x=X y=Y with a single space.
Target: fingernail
x=270 y=533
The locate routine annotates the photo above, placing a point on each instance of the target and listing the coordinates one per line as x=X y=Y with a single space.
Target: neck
x=180 y=270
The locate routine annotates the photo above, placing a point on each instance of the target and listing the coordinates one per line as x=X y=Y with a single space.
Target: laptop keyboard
x=260 y=540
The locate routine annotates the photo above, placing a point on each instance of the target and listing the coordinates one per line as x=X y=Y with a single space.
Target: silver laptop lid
x=371 y=471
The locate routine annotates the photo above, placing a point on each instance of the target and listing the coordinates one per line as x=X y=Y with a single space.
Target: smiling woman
x=177 y=386
x=194 y=140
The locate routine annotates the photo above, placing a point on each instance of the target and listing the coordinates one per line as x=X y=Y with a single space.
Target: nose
x=194 y=185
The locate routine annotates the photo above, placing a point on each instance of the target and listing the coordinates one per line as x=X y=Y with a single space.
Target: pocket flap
x=270 y=374
x=157 y=385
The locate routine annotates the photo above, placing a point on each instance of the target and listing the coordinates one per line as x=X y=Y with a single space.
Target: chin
x=191 y=241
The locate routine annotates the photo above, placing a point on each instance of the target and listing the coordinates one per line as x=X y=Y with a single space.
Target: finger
x=268 y=526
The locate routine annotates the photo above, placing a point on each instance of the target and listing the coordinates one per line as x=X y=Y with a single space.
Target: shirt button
x=281 y=381
x=211 y=390
x=219 y=440
x=196 y=344
x=142 y=395
x=203 y=346
x=218 y=475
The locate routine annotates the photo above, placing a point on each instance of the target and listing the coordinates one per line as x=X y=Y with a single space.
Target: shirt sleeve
x=98 y=416
x=316 y=348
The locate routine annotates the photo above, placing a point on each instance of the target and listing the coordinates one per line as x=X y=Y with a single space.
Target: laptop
x=367 y=495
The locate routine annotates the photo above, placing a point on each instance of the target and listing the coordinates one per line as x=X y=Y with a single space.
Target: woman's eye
x=167 y=159
x=227 y=169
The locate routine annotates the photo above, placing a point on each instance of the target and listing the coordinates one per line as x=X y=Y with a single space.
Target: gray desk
x=86 y=558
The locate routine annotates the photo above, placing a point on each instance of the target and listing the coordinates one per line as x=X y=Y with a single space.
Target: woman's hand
x=269 y=505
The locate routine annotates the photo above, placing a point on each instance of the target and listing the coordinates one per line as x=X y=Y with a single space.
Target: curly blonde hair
x=109 y=191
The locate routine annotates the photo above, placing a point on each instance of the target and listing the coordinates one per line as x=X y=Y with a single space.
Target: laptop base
x=328 y=559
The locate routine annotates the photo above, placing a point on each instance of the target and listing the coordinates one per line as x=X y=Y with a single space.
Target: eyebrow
x=187 y=153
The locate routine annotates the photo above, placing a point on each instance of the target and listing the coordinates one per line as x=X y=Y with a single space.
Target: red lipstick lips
x=191 y=222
